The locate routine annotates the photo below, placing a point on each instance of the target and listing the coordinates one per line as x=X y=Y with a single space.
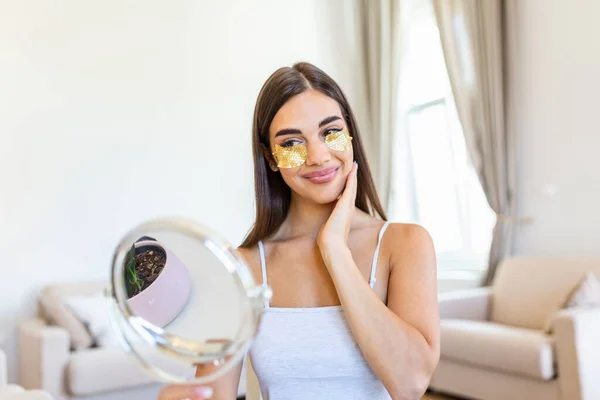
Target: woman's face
x=307 y=119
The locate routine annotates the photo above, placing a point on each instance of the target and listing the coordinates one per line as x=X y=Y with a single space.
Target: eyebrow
x=328 y=120
x=288 y=132
x=324 y=122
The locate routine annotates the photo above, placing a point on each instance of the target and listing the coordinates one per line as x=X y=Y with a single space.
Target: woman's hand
x=180 y=392
x=335 y=231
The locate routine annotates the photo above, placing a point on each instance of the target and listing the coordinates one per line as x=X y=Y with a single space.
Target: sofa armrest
x=3 y=369
x=578 y=352
x=44 y=352
x=472 y=304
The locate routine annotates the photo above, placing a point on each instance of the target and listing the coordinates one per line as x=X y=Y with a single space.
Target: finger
x=347 y=188
x=346 y=194
x=350 y=176
x=354 y=180
x=179 y=392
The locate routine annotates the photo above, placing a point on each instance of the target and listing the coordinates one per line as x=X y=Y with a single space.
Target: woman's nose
x=318 y=153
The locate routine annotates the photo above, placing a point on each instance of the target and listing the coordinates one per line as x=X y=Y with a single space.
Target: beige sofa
x=16 y=392
x=57 y=354
x=514 y=340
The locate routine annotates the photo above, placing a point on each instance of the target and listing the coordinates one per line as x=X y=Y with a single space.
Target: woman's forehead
x=305 y=111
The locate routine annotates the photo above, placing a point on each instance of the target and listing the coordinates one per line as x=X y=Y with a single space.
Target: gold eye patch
x=290 y=157
x=339 y=141
x=295 y=156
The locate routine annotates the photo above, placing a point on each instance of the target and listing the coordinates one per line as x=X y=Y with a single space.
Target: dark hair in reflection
x=273 y=195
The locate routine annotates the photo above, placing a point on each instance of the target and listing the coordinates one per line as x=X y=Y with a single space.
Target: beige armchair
x=515 y=341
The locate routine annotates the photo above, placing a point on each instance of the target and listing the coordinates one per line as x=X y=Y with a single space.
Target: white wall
x=554 y=89
x=115 y=112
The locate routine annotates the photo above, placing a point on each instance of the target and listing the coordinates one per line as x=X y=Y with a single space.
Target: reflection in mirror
x=184 y=303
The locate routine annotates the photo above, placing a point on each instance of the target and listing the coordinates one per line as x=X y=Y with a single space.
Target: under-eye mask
x=295 y=156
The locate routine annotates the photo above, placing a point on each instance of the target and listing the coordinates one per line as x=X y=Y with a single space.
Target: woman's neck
x=305 y=217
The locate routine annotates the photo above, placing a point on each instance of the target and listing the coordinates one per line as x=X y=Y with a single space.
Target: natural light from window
x=436 y=185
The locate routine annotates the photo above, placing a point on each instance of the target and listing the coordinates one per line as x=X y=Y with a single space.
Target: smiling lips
x=322 y=176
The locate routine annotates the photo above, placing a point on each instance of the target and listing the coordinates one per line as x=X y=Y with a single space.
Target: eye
x=330 y=131
x=290 y=143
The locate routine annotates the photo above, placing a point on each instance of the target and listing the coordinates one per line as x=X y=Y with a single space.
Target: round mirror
x=183 y=301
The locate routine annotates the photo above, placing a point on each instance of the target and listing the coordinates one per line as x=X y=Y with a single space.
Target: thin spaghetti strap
x=373 y=279
x=263 y=264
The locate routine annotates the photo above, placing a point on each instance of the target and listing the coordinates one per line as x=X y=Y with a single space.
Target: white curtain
x=472 y=38
x=382 y=27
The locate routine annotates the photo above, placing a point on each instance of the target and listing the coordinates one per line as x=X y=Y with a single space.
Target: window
x=435 y=183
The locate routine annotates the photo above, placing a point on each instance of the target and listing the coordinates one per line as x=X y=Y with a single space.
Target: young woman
x=354 y=308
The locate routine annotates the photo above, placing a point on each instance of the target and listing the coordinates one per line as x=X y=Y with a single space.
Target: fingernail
x=207 y=392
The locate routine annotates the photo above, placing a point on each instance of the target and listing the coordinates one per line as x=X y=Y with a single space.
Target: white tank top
x=311 y=353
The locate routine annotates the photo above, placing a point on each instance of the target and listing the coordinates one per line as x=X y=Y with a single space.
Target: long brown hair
x=273 y=195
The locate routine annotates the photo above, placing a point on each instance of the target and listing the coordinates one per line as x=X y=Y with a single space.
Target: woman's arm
x=400 y=341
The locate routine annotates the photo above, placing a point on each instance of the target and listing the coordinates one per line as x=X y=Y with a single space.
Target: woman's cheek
x=291 y=178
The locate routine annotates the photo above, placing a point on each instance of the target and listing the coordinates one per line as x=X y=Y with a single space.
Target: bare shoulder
x=246 y=253
x=408 y=242
x=251 y=257
x=413 y=234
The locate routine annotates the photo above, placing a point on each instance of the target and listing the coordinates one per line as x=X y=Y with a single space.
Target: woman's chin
x=325 y=194
x=325 y=198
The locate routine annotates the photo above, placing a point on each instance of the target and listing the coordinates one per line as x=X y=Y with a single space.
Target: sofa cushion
x=585 y=295
x=504 y=348
x=94 y=312
x=15 y=392
x=52 y=305
x=527 y=290
x=100 y=370
x=10 y=390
